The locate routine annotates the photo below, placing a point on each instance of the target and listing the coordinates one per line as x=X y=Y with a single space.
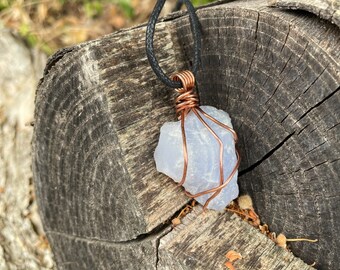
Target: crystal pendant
x=198 y=152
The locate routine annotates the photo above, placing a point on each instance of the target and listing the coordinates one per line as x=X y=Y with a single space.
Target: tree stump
x=98 y=112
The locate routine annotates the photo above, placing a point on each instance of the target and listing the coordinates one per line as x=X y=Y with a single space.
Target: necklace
x=198 y=151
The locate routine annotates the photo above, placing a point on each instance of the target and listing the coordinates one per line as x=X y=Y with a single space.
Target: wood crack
x=315 y=147
x=313 y=82
x=266 y=156
x=158 y=242
x=52 y=61
x=318 y=104
x=160 y=230
x=316 y=165
x=286 y=38
x=256 y=46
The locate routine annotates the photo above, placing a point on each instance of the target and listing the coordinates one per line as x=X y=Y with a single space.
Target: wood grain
x=203 y=239
x=99 y=108
x=107 y=128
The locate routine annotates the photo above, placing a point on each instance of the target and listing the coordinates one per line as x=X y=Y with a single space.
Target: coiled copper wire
x=187 y=98
x=186 y=101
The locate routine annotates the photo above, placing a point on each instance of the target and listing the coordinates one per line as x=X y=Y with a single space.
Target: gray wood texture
x=326 y=9
x=203 y=239
x=98 y=112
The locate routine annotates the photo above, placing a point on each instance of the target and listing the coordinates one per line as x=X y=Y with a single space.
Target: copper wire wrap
x=186 y=101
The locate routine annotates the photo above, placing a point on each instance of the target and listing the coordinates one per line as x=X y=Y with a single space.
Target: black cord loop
x=150 y=31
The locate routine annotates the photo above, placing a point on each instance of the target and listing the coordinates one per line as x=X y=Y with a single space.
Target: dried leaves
x=232 y=256
x=244 y=208
x=186 y=210
x=230 y=266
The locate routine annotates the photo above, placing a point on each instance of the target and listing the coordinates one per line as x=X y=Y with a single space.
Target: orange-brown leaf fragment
x=253 y=215
x=230 y=266
x=272 y=236
x=232 y=255
x=264 y=229
x=176 y=221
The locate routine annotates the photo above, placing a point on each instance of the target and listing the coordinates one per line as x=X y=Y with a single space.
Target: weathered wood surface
x=200 y=242
x=203 y=239
x=326 y=9
x=20 y=226
x=99 y=109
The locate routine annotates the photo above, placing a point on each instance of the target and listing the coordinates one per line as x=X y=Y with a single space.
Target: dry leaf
x=176 y=221
x=186 y=210
x=230 y=266
x=232 y=256
x=264 y=228
x=254 y=217
x=272 y=236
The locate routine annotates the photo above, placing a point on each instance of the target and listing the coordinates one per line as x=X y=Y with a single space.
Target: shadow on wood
x=98 y=112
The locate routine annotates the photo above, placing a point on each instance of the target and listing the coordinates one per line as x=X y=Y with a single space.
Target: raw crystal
x=203 y=156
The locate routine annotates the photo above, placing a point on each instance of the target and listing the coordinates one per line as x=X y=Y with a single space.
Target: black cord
x=150 y=31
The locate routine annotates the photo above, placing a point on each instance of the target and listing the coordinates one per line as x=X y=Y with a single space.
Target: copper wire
x=187 y=98
x=186 y=101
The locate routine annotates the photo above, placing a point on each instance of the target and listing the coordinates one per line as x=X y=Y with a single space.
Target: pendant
x=198 y=151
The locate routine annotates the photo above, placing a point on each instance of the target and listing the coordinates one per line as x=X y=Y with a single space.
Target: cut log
x=98 y=112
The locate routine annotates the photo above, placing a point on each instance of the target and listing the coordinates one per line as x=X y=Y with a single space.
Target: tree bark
x=326 y=9
x=98 y=113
